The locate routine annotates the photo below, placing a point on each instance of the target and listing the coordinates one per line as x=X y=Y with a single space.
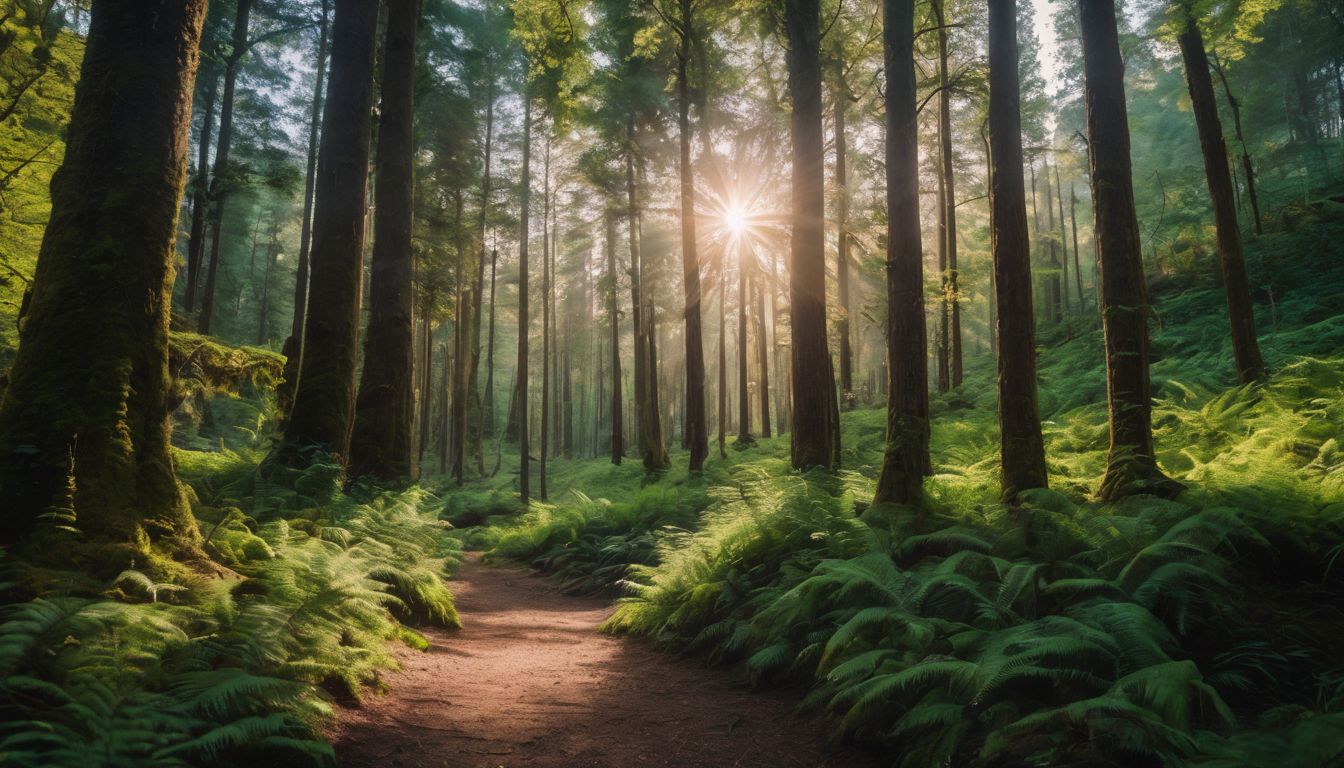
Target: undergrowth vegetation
x=1057 y=631
x=235 y=661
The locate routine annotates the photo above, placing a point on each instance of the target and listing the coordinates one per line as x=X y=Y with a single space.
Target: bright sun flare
x=734 y=221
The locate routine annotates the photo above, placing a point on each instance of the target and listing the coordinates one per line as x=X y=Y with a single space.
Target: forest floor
x=529 y=681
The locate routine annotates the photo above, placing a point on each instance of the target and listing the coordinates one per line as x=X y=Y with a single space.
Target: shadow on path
x=530 y=682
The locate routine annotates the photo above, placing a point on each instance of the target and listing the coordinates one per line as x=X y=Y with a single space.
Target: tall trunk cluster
x=324 y=401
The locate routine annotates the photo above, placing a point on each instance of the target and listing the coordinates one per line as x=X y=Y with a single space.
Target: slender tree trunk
x=1240 y=308
x=520 y=393
x=943 y=374
x=762 y=356
x=1021 y=447
x=1064 y=241
x=445 y=417
x=325 y=397
x=84 y=421
x=951 y=277
x=272 y=248
x=1059 y=302
x=1077 y=264
x=723 y=357
x=906 y=455
x=427 y=378
x=697 y=436
x=219 y=183
x=841 y=97
x=473 y=373
x=293 y=347
x=200 y=195
x=743 y=391
x=457 y=418
x=382 y=445
x=813 y=383
x=1131 y=466
x=488 y=425
x=651 y=445
x=546 y=314
x=614 y=316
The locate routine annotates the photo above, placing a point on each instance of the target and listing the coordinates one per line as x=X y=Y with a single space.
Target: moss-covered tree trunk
x=814 y=432
x=83 y=425
x=1021 y=448
x=1240 y=309
x=1131 y=466
x=382 y=443
x=905 y=458
x=324 y=401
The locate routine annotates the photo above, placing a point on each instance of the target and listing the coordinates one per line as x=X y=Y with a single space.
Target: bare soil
x=529 y=681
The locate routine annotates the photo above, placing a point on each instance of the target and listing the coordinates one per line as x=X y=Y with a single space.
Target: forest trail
x=529 y=681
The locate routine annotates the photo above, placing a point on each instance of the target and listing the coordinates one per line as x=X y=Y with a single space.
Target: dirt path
x=530 y=682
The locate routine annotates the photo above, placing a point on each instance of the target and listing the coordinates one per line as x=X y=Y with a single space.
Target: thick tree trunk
x=905 y=459
x=1021 y=447
x=219 y=183
x=84 y=421
x=1131 y=466
x=324 y=400
x=813 y=383
x=696 y=433
x=200 y=195
x=382 y=444
x=520 y=392
x=841 y=97
x=293 y=347
x=1240 y=309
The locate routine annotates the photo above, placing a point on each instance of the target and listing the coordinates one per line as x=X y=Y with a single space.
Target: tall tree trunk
x=219 y=182
x=520 y=392
x=488 y=425
x=325 y=398
x=264 y=320
x=544 y=446
x=382 y=442
x=1064 y=240
x=1077 y=263
x=1240 y=309
x=743 y=391
x=906 y=456
x=473 y=371
x=84 y=422
x=841 y=97
x=1131 y=466
x=293 y=347
x=723 y=357
x=200 y=194
x=614 y=316
x=1059 y=276
x=943 y=373
x=457 y=417
x=1247 y=166
x=696 y=436
x=1021 y=448
x=426 y=376
x=762 y=355
x=813 y=384
x=951 y=277
x=646 y=388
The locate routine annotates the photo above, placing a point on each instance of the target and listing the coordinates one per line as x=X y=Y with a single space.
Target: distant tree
x=1021 y=448
x=902 y=477
x=83 y=422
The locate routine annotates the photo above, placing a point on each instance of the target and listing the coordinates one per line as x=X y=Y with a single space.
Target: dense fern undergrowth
x=237 y=662
x=1200 y=631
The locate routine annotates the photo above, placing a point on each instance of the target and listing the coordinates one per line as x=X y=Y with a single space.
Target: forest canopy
x=973 y=369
